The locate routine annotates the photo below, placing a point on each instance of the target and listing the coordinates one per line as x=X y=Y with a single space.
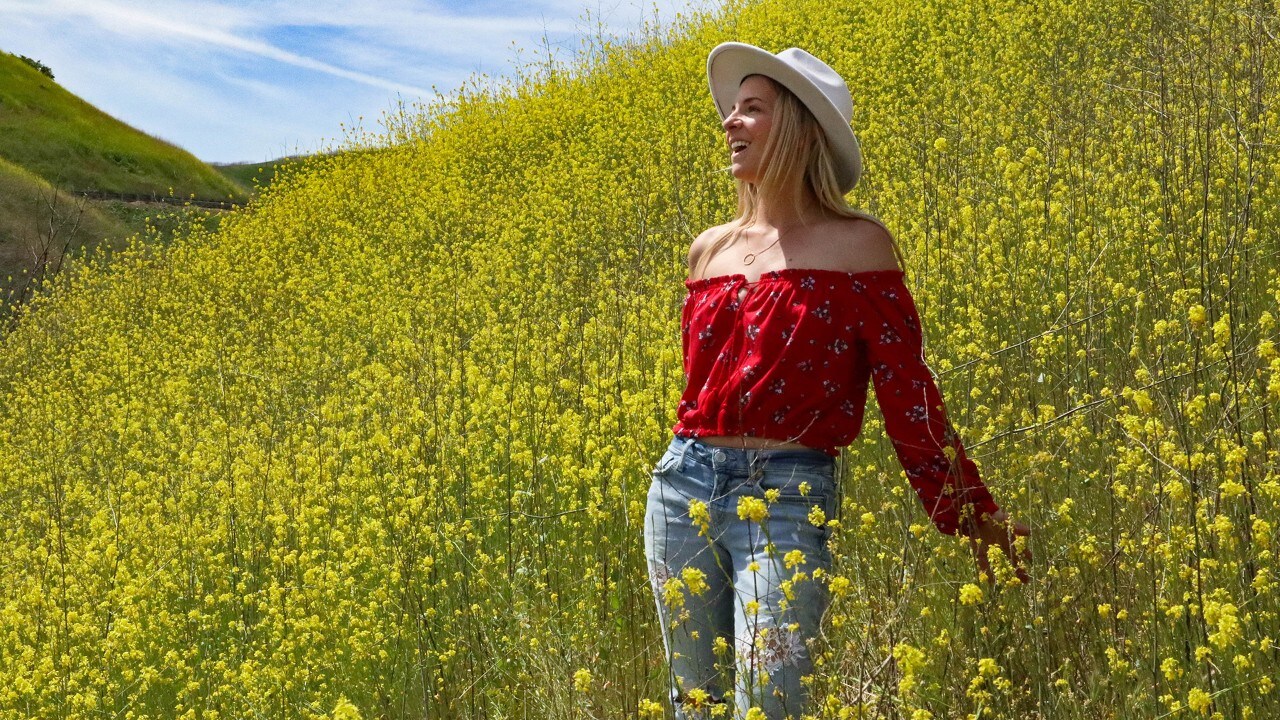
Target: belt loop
x=688 y=442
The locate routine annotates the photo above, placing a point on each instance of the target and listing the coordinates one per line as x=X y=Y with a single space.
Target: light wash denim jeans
x=736 y=617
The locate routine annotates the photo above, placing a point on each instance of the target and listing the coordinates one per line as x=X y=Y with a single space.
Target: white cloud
x=240 y=79
x=136 y=22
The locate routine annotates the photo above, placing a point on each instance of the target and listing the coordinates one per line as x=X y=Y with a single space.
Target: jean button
x=719 y=456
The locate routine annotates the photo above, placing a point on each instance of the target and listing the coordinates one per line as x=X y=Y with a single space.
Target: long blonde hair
x=796 y=156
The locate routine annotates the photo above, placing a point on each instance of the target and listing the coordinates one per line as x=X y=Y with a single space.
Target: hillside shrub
x=45 y=69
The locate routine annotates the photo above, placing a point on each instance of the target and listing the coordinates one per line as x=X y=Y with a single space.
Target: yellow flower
x=582 y=680
x=970 y=594
x=1196 y=315
x=793 y=558
x=699 y=514
x=817 y=516
x=696 y=699
x=673 y=592
x=344 y=710
x=752 y=508
x=840 y=585
x=1223 y=618
x=695 y=579
x=910 y=660
x=1199 y=700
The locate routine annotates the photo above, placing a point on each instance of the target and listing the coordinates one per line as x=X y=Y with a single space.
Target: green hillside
x=53 y=148
x=26 y=198
x=39 y=226
x=379 y=445
x=252 y=175
x=74 y=146
x=44 y=229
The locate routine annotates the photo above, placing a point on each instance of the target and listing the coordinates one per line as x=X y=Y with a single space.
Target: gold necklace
x=751 y=256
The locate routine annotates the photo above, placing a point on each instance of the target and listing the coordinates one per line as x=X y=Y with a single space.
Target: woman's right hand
x=997 y=530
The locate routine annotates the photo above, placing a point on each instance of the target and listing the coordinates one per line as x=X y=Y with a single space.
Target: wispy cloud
x=134 y=21
x=282 y=66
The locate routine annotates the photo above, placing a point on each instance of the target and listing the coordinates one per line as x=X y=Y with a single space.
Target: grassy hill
x=74 y=146
x=251 y=175
x=53 y=147
x=25 y=199
x=380 y=445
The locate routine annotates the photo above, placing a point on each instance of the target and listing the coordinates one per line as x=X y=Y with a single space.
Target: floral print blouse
x=789 y=358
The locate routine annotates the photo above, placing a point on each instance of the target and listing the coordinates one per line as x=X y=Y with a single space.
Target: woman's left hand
x=997 y=530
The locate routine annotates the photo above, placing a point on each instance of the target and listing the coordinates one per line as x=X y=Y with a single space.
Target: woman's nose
x=730 y=120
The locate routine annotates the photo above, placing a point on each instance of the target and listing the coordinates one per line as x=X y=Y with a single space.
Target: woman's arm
x=931 y=452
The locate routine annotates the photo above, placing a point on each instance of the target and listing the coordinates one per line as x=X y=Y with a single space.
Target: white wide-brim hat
x=820 y=88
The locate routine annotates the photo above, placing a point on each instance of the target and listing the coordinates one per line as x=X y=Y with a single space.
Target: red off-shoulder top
x=789 y=357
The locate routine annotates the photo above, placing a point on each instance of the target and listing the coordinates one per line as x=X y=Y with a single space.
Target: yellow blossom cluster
x=379 y=444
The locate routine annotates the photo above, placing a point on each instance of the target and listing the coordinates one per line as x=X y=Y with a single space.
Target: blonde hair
x=796 y=157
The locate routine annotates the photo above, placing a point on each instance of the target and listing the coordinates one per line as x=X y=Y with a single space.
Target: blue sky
x=251 y=80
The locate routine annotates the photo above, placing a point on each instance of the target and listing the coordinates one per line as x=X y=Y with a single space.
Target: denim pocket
x=665 y=463
x=798 y=481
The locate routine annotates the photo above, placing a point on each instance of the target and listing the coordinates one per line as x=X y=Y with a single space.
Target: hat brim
x=730 y=63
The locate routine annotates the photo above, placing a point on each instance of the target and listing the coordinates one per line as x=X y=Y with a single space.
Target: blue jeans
x=737 y=599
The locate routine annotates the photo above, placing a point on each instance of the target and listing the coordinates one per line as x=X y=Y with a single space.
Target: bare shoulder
x=701 y=243
x=859 y=245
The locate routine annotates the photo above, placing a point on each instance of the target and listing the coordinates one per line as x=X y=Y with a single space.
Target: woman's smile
x=748 y=125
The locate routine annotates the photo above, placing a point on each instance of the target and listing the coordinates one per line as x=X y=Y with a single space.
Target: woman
x=791 y=308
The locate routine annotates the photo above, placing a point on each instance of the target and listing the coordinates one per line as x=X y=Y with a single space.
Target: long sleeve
x=930 y=450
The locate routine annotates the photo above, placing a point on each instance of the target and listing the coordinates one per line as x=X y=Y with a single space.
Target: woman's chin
x=746 y=175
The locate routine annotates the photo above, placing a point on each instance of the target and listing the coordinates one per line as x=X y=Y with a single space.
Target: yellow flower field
x=379 y=446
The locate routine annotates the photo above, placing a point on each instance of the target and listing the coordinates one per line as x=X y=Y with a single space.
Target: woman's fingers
x=1000 y=531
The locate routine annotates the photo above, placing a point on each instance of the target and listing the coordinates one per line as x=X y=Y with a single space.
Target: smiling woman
x=792 y=308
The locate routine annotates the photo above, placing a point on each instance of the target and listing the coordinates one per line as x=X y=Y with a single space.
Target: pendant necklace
x=751 y=256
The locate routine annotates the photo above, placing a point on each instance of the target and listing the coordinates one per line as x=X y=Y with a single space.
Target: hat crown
x=814 y=83
x=827 y=80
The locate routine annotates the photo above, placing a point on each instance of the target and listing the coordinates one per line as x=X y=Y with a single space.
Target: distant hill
x=72 y=177
x=74 y=146
x=254 y=175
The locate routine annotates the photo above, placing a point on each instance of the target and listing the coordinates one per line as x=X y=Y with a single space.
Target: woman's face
x=747 y=127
